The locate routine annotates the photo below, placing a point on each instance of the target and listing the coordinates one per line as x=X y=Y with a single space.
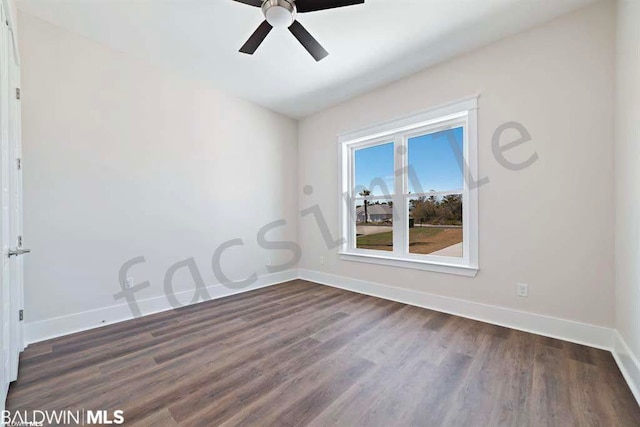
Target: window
x=406 y=190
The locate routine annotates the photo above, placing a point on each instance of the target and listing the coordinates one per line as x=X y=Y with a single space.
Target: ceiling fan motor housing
x=279 y=13
x=282 y=14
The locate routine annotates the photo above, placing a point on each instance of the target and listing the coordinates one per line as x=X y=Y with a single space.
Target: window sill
x=438 y=267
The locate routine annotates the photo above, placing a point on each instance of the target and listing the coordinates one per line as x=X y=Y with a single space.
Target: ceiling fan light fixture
x=282 y=14
x=279 y=13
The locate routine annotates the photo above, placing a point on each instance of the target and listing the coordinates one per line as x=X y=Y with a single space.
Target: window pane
x=374 y=225
x=434 y=161
x=435 y=226
x=374 y=170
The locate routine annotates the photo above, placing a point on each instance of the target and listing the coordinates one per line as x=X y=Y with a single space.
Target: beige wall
x=628 y=176
x=123 y=159
x=550 y=225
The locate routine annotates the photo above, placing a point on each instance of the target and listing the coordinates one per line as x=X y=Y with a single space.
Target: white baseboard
x=567 y=330
x=628 y=364
x=78 y=322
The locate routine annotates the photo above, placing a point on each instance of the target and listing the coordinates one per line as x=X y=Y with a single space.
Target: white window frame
x=463 y=113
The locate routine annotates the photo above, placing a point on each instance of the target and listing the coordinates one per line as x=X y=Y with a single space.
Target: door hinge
x=21 y=315
x=17 y=93
x=19 y=163
x=19 y=241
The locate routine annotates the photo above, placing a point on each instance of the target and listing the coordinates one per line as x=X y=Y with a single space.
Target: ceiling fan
x=282 y=14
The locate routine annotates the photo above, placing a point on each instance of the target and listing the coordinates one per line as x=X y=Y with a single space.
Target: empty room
x=320 y=212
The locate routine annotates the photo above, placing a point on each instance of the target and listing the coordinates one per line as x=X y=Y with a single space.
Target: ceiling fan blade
x=256 y=3
x=256 y=38
x=314 y=5
x=307 y=40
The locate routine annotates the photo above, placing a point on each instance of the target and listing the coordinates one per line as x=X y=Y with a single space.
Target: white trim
x=567 y=330
x=628 y=364
x=563 y=329
x=600 y=337
x=78 y=322
x=416 y=264
x=463 y=114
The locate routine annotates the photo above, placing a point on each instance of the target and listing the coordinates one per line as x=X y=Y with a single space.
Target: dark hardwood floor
x=305 y=354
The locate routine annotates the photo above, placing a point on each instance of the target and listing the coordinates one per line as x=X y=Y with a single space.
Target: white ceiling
x=370 y=45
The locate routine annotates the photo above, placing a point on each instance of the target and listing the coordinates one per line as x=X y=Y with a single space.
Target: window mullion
x=400 y=220
x=348 y=217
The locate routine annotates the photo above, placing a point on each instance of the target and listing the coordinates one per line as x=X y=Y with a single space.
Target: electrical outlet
x=322 y=260
x=128 y=284
x=523 y=290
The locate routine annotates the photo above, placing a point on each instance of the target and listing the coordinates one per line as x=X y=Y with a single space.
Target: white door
x=16 y=262
x=4 y=205
x=11 y=263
